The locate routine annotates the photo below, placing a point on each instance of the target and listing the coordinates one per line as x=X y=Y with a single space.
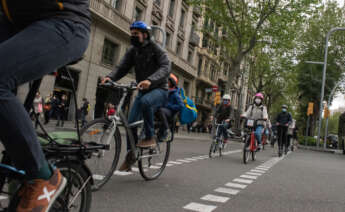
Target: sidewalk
x=312 y=148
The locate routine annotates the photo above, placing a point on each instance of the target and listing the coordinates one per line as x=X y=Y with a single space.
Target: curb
x=332 y=151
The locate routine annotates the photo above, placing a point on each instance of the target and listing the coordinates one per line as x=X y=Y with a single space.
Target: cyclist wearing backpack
x=283 y=120
x=36 y=38
x=152 y=69
x=223 y=114
x=173 y=106
x=258 y=112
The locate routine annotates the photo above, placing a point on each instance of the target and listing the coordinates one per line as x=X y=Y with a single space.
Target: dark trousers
x=222 y=130
x=165 y=114
x=60 y=118
x=28 y=55
x=282 y=137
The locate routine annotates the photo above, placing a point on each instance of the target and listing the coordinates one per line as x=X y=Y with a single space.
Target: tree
x=246 y=23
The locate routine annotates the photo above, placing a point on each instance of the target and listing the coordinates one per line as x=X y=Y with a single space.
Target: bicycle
x=250 y=146
x=151 y=161
x=217 y=143
x=65 y=152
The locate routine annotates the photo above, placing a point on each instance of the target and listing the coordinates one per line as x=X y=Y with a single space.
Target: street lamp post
x=324 y=63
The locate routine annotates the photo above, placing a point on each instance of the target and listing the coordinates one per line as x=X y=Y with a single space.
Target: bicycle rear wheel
x=152 y=161
x=102 y=163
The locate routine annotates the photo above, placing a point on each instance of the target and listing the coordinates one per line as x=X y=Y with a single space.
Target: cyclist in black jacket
x=36 y=38
x=283 y=121
x=223 y=114
x=152 y=69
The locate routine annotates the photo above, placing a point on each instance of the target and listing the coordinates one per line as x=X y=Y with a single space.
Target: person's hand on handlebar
x=144 y=85
x=105 y=79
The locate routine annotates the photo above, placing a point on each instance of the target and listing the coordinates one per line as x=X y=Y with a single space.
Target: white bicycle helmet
x=226 y=97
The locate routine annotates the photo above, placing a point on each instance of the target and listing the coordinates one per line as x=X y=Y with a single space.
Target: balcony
x=197 y=11
x=194 y=39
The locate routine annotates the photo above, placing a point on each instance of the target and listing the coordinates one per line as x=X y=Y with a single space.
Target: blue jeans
x=144 y=106
x=27 y=55
x=258 y=133
x=223 y=130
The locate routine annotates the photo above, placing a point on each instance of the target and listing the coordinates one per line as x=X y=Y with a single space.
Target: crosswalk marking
x=193 y=206
x=227 y=190
x=254 y=173
x=240 y=180
x=249 y=177
x=236 y=185
x=259 y=171
x=215 y=198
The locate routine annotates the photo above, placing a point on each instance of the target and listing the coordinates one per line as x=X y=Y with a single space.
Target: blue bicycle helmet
x=140 y=25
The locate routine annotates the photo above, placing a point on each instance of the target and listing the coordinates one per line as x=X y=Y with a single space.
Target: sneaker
x=147 y=143
x=163 y=136
x=39 y=195
x=125 y=167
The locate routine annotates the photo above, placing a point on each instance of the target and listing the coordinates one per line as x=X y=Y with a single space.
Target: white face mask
x=258 y=101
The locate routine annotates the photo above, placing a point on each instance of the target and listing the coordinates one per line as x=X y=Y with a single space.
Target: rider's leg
x=164 y=113
x=280 y=137
x=258 y=133
x=135 y=114
x=150 y=102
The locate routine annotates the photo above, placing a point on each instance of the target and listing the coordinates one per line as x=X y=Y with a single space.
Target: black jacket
x=150 y=62
x=84 y=108
x=223 y=112
x=284 y=118
x=25 y=12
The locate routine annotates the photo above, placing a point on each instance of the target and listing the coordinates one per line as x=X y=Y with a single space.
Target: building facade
x=194 y=60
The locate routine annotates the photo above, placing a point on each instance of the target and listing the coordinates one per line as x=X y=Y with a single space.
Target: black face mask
x=135 y=41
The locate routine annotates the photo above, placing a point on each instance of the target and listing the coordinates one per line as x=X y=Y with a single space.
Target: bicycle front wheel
x=152 y=161
x=213 y=148
x=102 y=163
x=246 y=151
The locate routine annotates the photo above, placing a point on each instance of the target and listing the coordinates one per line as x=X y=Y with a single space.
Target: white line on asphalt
x=227 y=191
x=236 y=185
x=154 y=167
x=97 y=177
x=232 y=152
x=3 y=197
x=193 y=206
x=122 y=173
x=239 y=180
x=264 y=169
x=249 y=177
x=253 y=173
x=135 y=169
x=215 y=198
x=190 y=159
x=184 y=161
x=174 y=162
x=160 y=164
x=259 y=171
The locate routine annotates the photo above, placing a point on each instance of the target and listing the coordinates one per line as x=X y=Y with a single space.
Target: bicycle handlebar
x=131 y=86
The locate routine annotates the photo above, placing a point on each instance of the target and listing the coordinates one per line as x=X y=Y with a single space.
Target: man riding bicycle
x=283 y=120
x=257 y=111
x=223 y=114
x=152 y=69
x=36 y=38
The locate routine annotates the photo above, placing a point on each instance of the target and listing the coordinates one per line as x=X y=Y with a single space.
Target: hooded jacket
x=150 y=62
x=175 y=103
x=223 y=112
x=24 y=12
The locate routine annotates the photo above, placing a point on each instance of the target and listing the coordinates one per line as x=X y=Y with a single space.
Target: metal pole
x=326 y=134
x=307 y=130
x=324 y=80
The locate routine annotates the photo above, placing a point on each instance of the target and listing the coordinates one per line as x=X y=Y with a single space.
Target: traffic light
x=217 y=99
x=326 y=112
x=310 y=108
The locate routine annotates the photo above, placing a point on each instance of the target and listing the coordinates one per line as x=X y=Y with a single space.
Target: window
x=109 y=51
x=172 y=8
x=137 y=14
x=179 y=48
x=168 y=40
x=190 y=55
x=116 y=4
x=158 y=2
x=186 y=87
x=183 y=15
x=199 y=66
x=155 y=32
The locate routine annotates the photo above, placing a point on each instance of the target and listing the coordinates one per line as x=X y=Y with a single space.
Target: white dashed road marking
x=254 y=173
x=214 y=198
x=227 y=191
x=239 y=180
x=199 y=207
x=249 y=177
x=236 y=185
x=259 y=171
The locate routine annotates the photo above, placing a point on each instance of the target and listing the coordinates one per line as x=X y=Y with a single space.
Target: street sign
x=310 y=108
x=208 y=90
x=215 y=88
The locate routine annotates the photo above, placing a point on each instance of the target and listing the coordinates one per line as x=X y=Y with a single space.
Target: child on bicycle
x=223 y=114
x=173 y=106
x=258 y=112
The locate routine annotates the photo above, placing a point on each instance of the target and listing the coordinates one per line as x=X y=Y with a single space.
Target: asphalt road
x=301 y=181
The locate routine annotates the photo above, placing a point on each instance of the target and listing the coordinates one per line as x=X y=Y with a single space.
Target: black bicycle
x=64 y=150
x=106 y=131
x=217 y=144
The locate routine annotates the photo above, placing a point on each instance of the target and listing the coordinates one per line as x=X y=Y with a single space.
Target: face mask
x=284 y=110
x=258 y=101
x=135 y=41
x=226 y=102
